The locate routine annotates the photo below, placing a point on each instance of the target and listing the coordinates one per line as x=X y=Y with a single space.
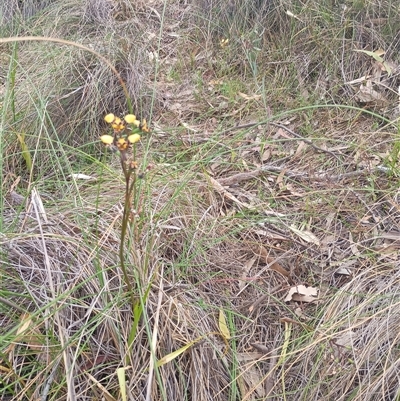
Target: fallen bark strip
x=235 y=179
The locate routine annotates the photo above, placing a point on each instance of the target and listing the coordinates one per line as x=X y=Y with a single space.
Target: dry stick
x=12 y=305
x=235 y=179
x=49 y=381
x=252 y=305
x=305 y=140
x=248 y=125
x=269 y=265
x=270 y=379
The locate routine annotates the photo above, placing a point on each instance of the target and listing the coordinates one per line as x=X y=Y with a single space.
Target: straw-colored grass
x=267 y=168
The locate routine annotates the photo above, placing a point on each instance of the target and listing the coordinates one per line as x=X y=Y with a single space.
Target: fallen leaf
x=251 y=380
x=262 y=252
x=290 y=188
x=279 y=179
x=376 y=55
x=347 y=339
x=170 y=357
x=353 y=246
x=266 y=154
x=343 y=271
x=306 y=235
x=290 y=14
x=223 y=192
x=298 y=312
x=262 y=348
x=247 y=97
x=385 y=67
x=81 y=177
x=281 y=133
x=358 y=80
x=367 y=94
x=246 y=268
x=28 y=332
x=106 y=394
x=175 y=107
x=302 y=293
x=300 y=148
x=122 y=382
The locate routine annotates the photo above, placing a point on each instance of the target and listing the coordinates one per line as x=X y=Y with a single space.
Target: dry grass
x=254 y=189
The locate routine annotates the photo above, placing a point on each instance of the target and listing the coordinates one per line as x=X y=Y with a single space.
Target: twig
x=50 y=379
x=235 y=179
x=12 y=305
x=270 y=380
x=307 y=141
x=252 y=305
x=248 y=125
x=269 y=263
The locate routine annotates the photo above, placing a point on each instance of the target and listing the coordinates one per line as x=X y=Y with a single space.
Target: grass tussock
x=262 y=239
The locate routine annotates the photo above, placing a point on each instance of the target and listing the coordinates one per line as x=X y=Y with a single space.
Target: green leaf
x=25 y=151
x=387 y=68
x=223 y=326
x=122 y=382
x=170 y=357
x=376 y=55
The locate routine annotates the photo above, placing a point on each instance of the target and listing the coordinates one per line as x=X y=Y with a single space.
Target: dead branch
x=324 y=176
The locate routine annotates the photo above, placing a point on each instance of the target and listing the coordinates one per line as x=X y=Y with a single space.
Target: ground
x=261 y=257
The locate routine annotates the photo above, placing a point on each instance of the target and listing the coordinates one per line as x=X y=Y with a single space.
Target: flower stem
x=129 y=189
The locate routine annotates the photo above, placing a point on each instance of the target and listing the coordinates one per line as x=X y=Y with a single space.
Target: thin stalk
x=124 y=228
x=122 y=139
x=12 y=78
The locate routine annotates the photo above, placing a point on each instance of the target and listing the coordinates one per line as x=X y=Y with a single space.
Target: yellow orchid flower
x=109 y=118
x=122 y=144
x=107 y=139
x=134 y=138
x=143 y=126
x=130 y=118
x=117 y=124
